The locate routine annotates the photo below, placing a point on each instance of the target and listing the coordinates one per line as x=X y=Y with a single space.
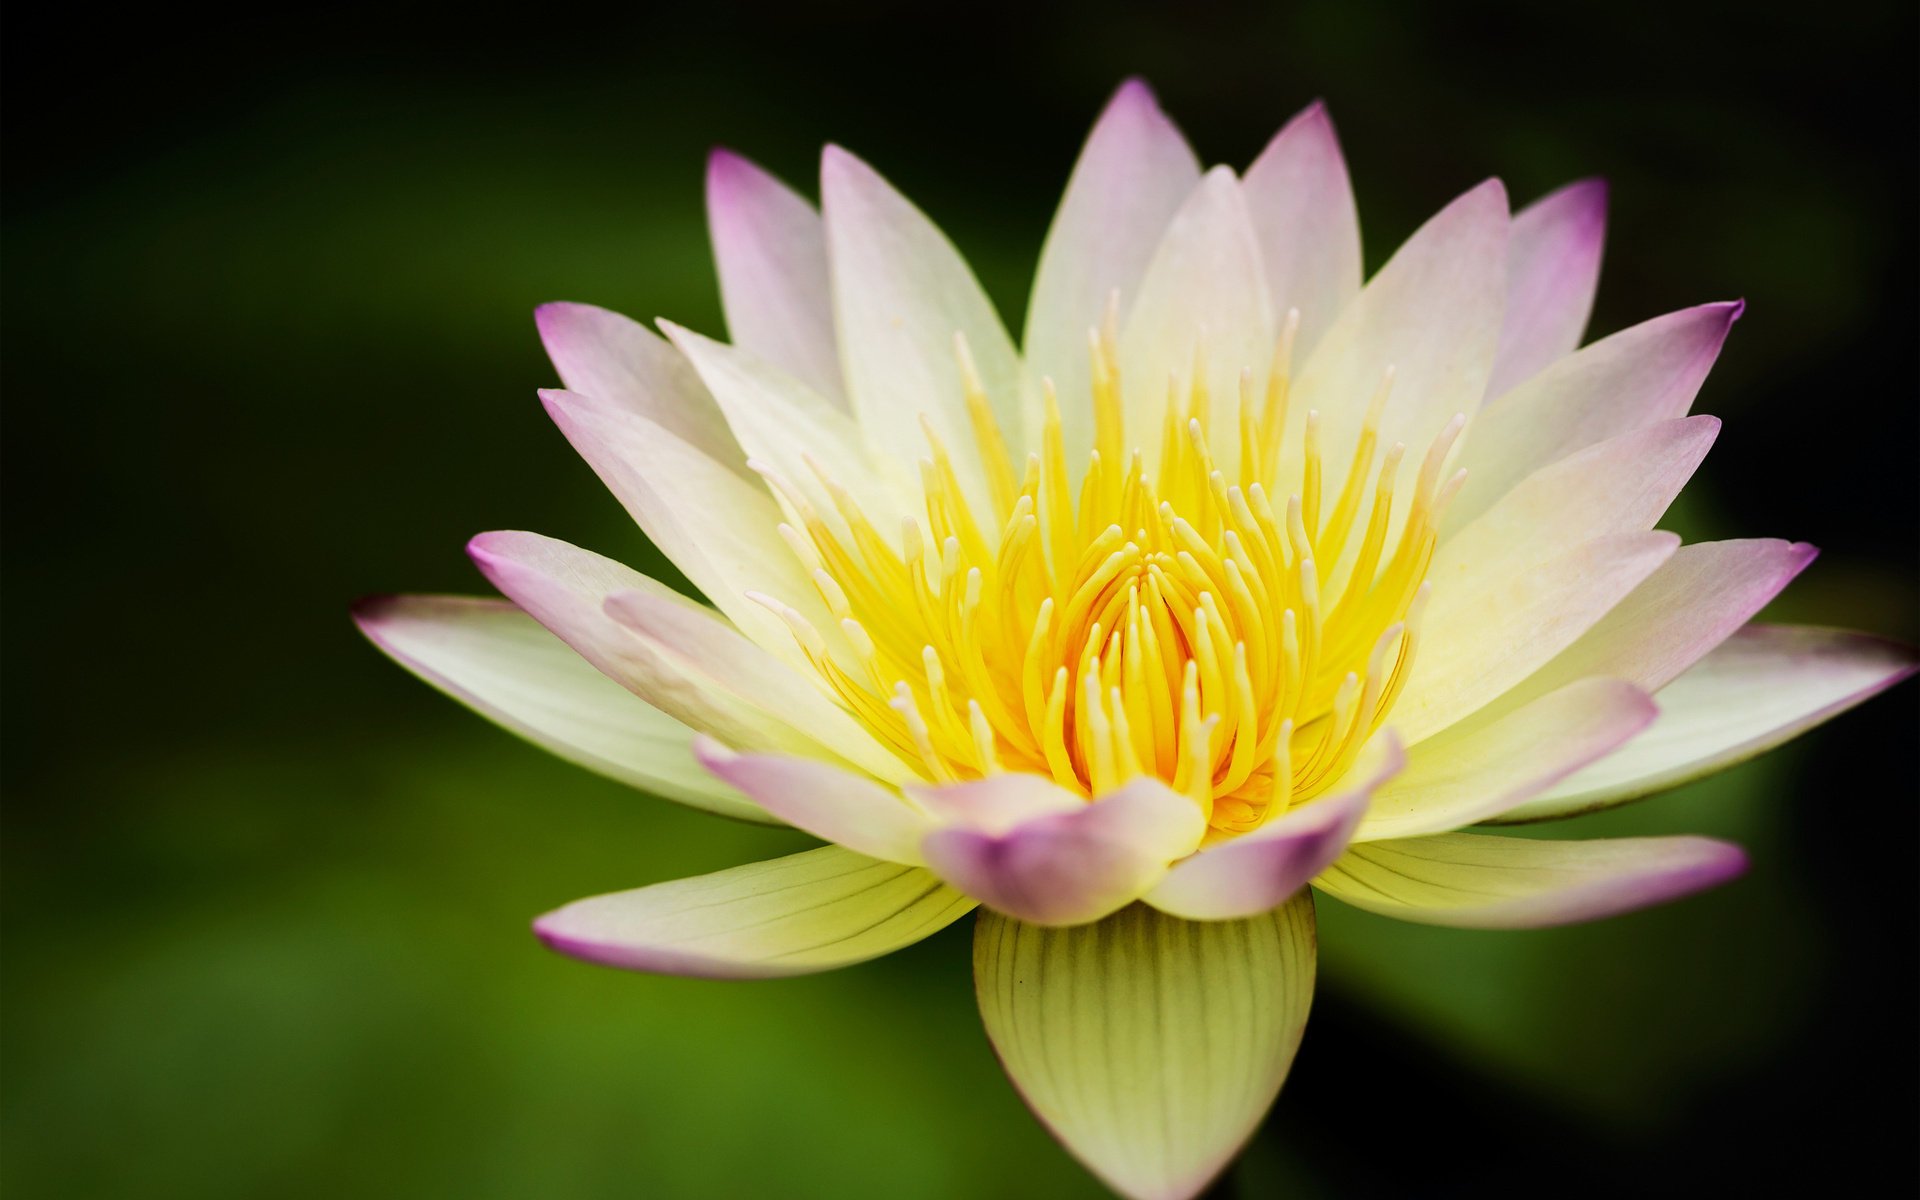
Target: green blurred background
x=267 y=285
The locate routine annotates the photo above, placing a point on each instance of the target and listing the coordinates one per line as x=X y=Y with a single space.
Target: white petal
x=1149 y=1045
x=1132 y=176
x=807 y=912
x=1433 y=315
x=624 y=364
x=1482 y=767
x=1761 y=687
x=1303 y=213
x=771 y=251
x=1204 y=289
x=1481 y=882
x=1553 y=267
x=498 y=661
x=901 y=292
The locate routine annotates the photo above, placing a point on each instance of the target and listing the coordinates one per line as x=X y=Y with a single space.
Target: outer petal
x=1258 y=871
x=1150 y=1046
x=719 y=529
x=1071 y=866
x=1553 y=267
x=900 y=293
x=807 y=912
x=1204 y=289
x=1481 y=882
x=771 y=253
x=498 y=661
x=1432 y=314
x=825 y=801
x=1761 y=687
x=1480 y=767
x=621 y=362
x=1695 y=601
x=1479 y=641
x=1131 y=178
x=1633 y=379
x=1304 y=217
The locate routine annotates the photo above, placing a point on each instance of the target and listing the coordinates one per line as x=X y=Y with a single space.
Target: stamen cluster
x=1180 y=616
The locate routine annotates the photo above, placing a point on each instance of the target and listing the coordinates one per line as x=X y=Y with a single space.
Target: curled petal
x=1481 y=882
x=1150 y=1046
x=807 y=912
x=823 y=800
x=1069 y=866
x=1258 y=871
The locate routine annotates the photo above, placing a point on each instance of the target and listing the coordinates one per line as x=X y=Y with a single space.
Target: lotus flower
x=1235 y=582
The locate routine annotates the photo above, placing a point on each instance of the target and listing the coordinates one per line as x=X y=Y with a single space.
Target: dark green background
x=267 y=284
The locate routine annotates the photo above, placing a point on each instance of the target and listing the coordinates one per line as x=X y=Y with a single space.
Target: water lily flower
x=1237 y=580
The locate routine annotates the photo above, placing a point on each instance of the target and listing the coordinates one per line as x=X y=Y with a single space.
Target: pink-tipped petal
x=1553 y=268
x=1513 y=564
x=1635 y=378
x=1150 y=1046
x=1480 y=882
x=1491 y=763
x=1696 y=600
x=807 y=912
x=1073 y=866
x=1132 y=176
x=824 y=800
x=1761 y=687
x=498 y=661
x=1258 y=871
x=1304 y=217
x=770 y=249
x=623 y=364
x=900 y=294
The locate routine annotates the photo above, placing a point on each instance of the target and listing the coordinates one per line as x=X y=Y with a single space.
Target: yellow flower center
x=1238 y=640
